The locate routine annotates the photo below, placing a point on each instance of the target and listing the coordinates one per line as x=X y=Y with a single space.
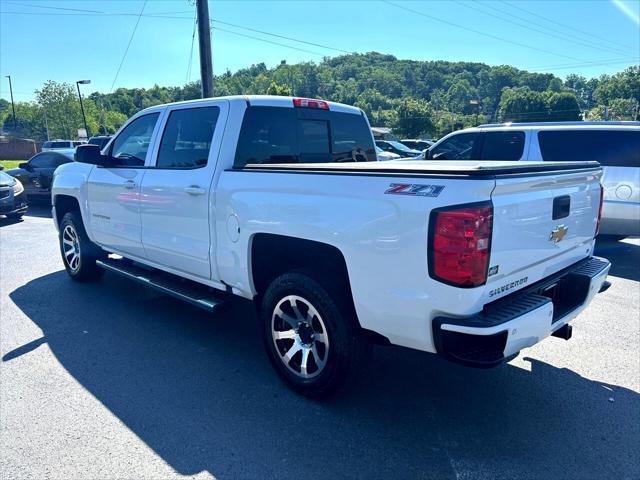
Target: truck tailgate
x=542 y=224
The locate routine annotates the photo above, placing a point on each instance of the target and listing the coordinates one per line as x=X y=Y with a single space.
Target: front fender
x=71 y=180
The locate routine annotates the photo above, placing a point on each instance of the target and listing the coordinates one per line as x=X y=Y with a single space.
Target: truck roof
x=556 y=125
x=262 y=100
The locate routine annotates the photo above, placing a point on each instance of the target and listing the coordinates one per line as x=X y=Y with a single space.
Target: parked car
x=383 y=156
x=13 y=203
x=60 y=144
x=100 y=140
x=37 y=173
x=397 y=148
x=615 y=145
x=475 y=261
x=417 y=144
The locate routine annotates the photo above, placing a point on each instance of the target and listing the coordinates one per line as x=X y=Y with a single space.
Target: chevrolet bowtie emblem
x=558 y=233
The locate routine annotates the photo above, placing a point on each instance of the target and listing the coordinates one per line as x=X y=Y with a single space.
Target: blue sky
x=72 y=40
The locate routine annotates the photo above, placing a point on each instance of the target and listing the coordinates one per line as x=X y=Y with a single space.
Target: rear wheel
x=310 y=334
x=79 y=254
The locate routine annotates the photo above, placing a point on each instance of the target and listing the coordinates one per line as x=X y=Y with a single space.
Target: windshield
x=400 y=146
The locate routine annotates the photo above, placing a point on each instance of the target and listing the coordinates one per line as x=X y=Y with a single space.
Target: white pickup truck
x=280 y=200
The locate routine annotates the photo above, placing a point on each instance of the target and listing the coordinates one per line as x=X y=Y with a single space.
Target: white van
x=616 y=145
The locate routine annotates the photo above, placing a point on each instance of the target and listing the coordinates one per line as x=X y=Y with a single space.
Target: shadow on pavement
x=200 y=392
x=5 y=221
x=624 y=258
x=39 y=208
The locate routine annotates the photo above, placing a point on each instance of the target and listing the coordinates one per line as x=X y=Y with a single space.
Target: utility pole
x=13 y=106
x=204 y=43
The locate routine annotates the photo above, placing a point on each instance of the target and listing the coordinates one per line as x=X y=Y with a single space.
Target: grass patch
x=8 y=164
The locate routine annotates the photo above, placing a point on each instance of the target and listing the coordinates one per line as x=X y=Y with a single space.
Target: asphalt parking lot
x=111 y=380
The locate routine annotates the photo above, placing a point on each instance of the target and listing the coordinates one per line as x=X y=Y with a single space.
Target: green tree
x=275 y=89
x=563 y=107
x=522 y=104
x=60 y=102
x=413 y=118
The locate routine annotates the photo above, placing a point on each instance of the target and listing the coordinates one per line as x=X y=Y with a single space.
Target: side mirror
x=88 y=153
x=24 y=166
x=427 y=154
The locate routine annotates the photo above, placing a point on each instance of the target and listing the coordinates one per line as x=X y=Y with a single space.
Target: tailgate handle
x=561 y=207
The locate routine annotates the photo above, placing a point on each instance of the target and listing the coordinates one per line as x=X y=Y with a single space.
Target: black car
x=100 y=140
x=13 y=203
x=397 y=148
x=36 y=174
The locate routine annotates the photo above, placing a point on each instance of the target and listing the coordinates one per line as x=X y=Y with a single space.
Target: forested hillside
x=414 y=97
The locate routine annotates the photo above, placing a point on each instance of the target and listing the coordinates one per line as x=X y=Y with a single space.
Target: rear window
x=292 y=135
x=612 y=148
x=507 y=145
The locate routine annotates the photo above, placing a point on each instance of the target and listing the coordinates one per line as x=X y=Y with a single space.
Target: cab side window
x=458 y=147
x=505 y=145
x=187 y=138
x=131 y=145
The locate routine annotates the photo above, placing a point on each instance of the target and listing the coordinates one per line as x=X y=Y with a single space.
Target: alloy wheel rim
x=71 y=247
x=300 y=336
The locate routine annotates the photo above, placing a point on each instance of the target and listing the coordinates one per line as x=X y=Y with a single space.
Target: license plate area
x=567 y=293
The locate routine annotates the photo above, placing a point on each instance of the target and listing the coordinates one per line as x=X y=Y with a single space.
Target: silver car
x=616 y=145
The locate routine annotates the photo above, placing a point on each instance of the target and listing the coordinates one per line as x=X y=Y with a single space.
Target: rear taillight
x=310 y=103
x=600 y=210
x=460 y=242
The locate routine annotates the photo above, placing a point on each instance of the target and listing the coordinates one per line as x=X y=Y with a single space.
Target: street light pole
x=13 y=106
x=84 y=119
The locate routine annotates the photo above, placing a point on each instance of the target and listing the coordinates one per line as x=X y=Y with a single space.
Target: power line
x=281 y=36
x=575 y=65
x=159 y=15
x=552 y=33
x=193 y=36
x=128 y=44
x=564 y=25
x=267 y=41
x=83 y=10
x=479 y=32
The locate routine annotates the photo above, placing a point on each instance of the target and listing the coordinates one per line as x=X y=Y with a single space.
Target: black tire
x=346 y=349
x=81 y=264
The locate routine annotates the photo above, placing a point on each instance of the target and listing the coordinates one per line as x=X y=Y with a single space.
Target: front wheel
x=79 y=254
x=311 y=336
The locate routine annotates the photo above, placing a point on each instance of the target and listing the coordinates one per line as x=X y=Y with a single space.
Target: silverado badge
x=558 y=233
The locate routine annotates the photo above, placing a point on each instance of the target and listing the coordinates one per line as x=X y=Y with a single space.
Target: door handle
x=195 y=190
x=129 y=184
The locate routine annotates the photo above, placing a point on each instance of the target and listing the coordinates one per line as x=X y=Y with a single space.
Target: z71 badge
x=414 y=189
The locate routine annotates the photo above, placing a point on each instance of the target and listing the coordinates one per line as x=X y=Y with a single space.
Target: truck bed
x=428 y=168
